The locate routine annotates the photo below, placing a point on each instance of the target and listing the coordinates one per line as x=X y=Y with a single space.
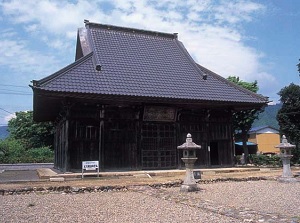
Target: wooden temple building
x=131 y=97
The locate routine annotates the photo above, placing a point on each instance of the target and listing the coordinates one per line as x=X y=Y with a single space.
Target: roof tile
x=142 y=64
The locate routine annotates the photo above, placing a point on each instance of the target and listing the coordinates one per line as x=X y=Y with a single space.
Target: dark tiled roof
x=142 y=63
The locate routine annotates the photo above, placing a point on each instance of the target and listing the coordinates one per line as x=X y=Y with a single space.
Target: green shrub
x=265 y=160
x=13 y=151
x=39 y=155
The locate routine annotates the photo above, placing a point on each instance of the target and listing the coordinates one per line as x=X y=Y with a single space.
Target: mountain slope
x=3 y=132
x=268 y=117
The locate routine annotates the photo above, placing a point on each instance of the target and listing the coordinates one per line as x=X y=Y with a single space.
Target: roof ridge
x=259 y=96
x=180 y=45
x=96 y=61
x=130 y=30
x=38 y=83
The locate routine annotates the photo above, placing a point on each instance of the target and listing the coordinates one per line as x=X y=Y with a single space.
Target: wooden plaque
x=159 y=113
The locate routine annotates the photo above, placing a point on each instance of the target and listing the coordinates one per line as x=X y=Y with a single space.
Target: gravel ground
x=101 y=207
x=259 y=200
x=224 y=202
x=266 y=196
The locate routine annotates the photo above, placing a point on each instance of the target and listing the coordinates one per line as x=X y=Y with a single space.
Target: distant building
x=252 y=148
x=131 y=97
x=266 y=138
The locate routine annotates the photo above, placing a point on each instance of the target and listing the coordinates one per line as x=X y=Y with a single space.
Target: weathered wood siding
x=123 y=137
x=61 y=159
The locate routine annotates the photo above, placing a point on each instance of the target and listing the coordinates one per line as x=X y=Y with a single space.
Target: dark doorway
x=83 y=142
x=120 y=144
x=214 y=153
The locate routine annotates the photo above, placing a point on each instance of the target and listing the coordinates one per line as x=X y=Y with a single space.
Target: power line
x=10 y=85
x=6 y=111
x=13 y=91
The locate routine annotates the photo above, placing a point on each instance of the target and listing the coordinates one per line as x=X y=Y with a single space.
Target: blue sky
x=252 y=39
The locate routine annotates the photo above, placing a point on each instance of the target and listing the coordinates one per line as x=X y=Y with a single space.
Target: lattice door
x=158 y=146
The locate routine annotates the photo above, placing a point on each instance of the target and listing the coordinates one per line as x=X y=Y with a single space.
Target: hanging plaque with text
x=159 y=113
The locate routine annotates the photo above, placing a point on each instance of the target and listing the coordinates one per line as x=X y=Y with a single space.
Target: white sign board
x=90 y=165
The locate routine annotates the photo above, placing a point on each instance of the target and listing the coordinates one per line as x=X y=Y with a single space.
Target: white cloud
x=8 y=33
x=268 y=85
x=55 y=17
x=9 y=117
x=237 y=11
x=211 y=30
x=16 y=55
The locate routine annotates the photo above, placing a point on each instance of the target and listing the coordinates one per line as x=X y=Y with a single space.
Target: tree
x=32 y=134
x=298 y=65
x=243 y=120
x=251 y=86
x=289 y=115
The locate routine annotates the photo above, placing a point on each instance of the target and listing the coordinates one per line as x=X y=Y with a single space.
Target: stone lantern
x=286 y=155
x=189 y=158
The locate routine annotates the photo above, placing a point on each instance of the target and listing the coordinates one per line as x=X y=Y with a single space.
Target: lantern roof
x=285 y=144
x=189 y=144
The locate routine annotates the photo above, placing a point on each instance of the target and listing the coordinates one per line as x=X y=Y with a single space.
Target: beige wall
x=266 y=142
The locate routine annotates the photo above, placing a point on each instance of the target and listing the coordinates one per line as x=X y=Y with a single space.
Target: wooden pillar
x=139 y=137
x=66 y=145
x=232 y=145
x=55 y=149
x=61 y=146
x=207 y=120
x=101 y=138
x=178 y=138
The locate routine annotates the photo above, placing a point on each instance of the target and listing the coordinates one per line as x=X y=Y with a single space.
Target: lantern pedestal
x=287 y=175
x=189 y=184
x=286 y=160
